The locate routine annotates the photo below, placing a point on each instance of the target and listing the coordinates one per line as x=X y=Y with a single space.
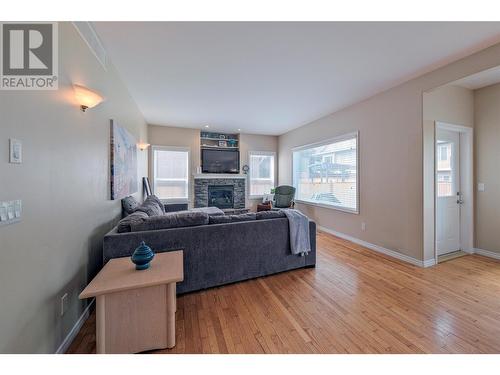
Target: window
x=171 y=173
x=261 y=173
x=444 y=172
x=326 y=173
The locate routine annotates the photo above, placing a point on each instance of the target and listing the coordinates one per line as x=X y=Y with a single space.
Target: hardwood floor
x=354 y=301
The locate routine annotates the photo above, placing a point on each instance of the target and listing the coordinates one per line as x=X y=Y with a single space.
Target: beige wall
x=487 y=156
x=450 y=104
x=453 y=105
x=64 y=185
x=185 y=137
x=391 y=158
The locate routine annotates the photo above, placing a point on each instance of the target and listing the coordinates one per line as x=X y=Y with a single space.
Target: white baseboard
x=487 y=253
x=380 y=249
x=74 y=331
x=429 y=263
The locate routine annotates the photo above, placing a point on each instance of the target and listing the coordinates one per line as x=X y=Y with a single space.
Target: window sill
x=331 y=207
x=254 y=197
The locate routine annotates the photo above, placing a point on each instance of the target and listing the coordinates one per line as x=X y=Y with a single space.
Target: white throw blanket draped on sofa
x=299 y=231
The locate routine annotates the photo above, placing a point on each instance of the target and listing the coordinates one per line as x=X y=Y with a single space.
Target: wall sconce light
x=87 y=98
x=143 y=146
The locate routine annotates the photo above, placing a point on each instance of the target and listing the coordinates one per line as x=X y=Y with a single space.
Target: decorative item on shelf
x=87 y=98
x=222 y=136
x=245 y=169
x=232 y=142
x=142 y=256
x=222 y=144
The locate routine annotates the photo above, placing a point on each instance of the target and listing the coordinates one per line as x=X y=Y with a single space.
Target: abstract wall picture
x=123 y=162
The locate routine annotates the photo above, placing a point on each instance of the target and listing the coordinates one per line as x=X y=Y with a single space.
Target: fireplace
x=221 y=196
x=235 y=183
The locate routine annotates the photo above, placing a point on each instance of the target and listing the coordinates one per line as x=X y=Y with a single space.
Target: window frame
x=153 y=172
x=340 y=138
x=263 y=153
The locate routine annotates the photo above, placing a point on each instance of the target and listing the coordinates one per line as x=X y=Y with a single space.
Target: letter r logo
x=27 y=49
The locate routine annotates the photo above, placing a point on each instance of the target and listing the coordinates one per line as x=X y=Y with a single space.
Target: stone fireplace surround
x=203 y=181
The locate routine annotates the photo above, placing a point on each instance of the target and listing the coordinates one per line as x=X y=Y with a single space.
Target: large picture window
x=326 y=173
x=262 y=177
x=171 y=173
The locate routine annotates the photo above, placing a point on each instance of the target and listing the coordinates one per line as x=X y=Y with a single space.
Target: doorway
x=453 y=191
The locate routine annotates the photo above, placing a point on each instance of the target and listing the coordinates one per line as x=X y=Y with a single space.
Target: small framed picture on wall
x=16 y=151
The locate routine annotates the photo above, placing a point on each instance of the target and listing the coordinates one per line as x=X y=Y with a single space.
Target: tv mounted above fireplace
x=220 y=161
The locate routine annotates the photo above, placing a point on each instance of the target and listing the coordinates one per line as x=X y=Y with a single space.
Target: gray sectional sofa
x=218 y=249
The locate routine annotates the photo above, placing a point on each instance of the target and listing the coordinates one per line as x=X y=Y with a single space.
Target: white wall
x=391 y=158
x=64 y=185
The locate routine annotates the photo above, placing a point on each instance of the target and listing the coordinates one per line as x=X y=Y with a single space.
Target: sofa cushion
x=232 y=218
x=262 y=215
x=125 y=224
x=211 y=211
x=171 y=220
x=129 y=205
x=152 y=206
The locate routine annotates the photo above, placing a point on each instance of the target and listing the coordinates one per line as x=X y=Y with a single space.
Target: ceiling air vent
x=89 y=35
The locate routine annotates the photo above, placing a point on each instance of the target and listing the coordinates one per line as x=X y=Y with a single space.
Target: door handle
x=459 y=198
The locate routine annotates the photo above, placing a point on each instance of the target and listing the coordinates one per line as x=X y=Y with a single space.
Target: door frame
x=466 y=156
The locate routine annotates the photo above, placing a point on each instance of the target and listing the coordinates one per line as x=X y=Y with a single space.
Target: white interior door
x=448 y=194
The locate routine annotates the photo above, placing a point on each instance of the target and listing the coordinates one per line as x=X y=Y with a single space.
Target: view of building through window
x=327 y=173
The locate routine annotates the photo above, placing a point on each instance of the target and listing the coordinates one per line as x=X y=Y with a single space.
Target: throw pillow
x=125 y=224
x=152 y=206
x=129 y=205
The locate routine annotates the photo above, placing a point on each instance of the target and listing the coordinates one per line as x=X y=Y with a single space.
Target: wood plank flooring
x=354 y=301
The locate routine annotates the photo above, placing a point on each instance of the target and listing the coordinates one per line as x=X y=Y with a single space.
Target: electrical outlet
x=64 y=303
x=363 y=226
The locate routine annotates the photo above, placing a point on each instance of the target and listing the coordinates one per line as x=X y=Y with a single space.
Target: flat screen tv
x=220 y=161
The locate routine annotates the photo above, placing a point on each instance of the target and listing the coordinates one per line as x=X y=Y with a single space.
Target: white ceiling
x=268 y=78
x=482 y=79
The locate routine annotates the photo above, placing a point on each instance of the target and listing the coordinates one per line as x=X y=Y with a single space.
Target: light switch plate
x=480 y=186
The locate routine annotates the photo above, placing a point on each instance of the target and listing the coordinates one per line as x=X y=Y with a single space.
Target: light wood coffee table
x=135 y=310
